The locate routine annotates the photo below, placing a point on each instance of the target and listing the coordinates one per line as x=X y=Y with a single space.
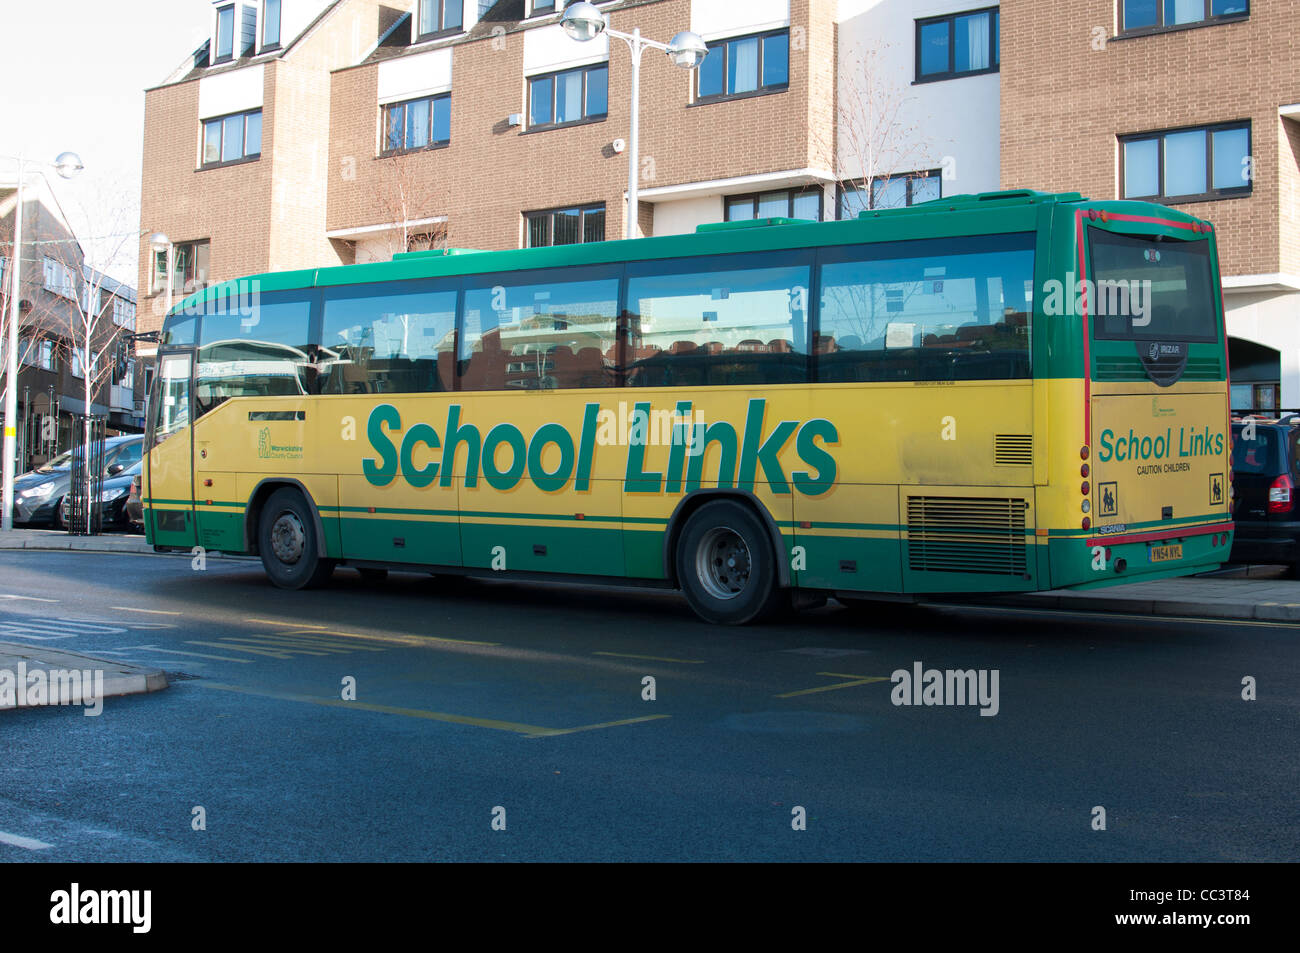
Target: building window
x=123 y=313
x=960 y=44
x=440 y=16
x=890 y=191
x=542 y=8
x=271 y=25
x=59 y=280
x=745 y=66
x=1144 y=15
x=225 y=48
x=786 y=203
x=189 y=268
x=576 y=95
x=417 y=124
x=232 y=138
x=1187 y=165
x=566 y=226
x=37 y=353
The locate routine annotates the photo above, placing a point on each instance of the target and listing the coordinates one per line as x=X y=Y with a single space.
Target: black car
x=1266 y=471
x=113 y=496
x=39 y=494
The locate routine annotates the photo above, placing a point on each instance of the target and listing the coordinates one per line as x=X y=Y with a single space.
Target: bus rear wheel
x=286 y=539
x=725 y=565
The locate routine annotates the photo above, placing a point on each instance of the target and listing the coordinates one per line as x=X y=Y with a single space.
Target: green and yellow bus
x=990 y=393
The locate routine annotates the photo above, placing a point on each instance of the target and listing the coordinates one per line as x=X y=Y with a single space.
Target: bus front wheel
x=725 y=565
x=287 y=542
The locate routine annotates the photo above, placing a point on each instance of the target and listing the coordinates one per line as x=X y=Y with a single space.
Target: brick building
x=385 y=127
x=1194 y=103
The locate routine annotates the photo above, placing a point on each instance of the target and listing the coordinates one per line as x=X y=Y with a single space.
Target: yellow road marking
x=219 y=658
x=291 y=625
x=652 y=658
x=552 y=732
x=284 y=656
x=856 y=680
x=528 y=731
x=332 y=645
x=149 y=611
x=492 y=723
x=312 y=629
x=292 y=648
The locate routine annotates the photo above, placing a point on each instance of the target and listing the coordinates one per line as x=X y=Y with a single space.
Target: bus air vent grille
x=1116 y=367
x=956 y=534
x=1013 y=450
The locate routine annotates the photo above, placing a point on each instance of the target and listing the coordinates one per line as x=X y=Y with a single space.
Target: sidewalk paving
x=22 y=666
x=58 y=539
x=1246 y=596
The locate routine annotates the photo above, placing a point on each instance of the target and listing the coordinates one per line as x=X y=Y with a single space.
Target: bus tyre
x=725 y=565
x=286 y=539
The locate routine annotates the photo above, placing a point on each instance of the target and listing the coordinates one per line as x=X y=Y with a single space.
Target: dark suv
x=1266 y=472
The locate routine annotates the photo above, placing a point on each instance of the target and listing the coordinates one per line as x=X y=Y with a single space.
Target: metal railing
x=85 y=515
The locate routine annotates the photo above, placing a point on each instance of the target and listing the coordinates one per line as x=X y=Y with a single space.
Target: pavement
x=24 y=666
x=1238 y=592
x=56 y=539
x=1206 y=597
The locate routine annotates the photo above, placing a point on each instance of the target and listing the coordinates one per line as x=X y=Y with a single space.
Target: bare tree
x=406 y=199
x=84 y=328
x=878 y=134
x=878 y=137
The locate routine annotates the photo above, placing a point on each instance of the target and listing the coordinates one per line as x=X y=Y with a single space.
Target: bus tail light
x=1083 y=453
x=1085 y=488
x=1087 y=523
x=1280 y=496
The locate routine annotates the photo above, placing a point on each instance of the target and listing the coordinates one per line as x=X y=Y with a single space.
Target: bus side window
x=543 y=335
x=394 y=343
x=738 y=321
x=955 y=309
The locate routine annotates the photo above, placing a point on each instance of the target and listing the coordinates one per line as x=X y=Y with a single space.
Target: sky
x=75 y=81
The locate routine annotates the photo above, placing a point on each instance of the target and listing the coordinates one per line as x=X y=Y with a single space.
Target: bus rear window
x=1148 y=290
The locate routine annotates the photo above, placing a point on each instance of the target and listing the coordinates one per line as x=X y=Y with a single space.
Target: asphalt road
x=474 y=696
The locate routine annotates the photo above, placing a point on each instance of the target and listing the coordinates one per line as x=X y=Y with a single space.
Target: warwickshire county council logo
x=270 y=451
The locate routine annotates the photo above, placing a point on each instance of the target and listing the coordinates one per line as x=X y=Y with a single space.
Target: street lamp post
x=583 y=22
x=67 y=165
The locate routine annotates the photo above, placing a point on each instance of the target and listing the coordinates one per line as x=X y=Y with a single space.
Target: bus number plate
x=1164 y=554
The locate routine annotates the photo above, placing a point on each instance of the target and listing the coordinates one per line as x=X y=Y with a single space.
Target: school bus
x=990 y=393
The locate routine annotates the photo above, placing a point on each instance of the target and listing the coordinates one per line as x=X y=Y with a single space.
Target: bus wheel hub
x=722 y=563
x=288 y=539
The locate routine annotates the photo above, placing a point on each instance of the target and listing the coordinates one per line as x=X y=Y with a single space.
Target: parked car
x=1266 y=472
x=113 y=494
x=135 y=504
x=39 y=493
